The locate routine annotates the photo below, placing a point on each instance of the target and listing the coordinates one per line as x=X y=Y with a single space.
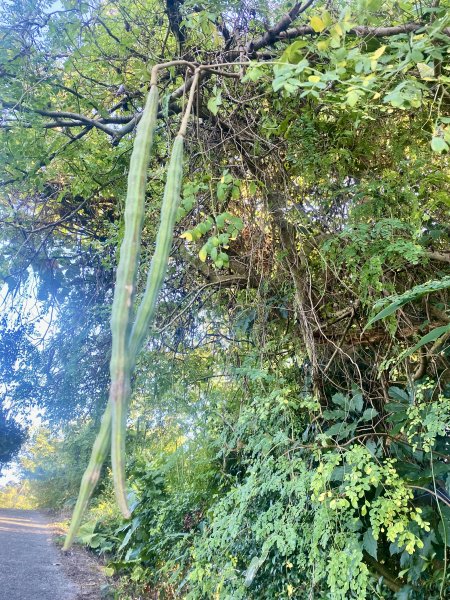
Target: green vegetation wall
x=288 y=433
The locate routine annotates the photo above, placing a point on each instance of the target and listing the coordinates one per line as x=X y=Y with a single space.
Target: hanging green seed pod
x=124 y=291
x=120 y=322
x=91 y=475
x=143 y=318
x=113 y=424
x=160 y=257
x=120 y=386
x=145 y=312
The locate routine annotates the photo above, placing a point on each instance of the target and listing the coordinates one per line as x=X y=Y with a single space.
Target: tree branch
x=439 y=256
x=359 y=31
x=272 y=35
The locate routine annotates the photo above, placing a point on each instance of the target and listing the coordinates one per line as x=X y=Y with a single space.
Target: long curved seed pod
x=91 y=475
x=124 y=291
x=136 y=195
x=169 y=207
x=120 y=396
x=158 y=265
x=155 y=279
x=145 y=313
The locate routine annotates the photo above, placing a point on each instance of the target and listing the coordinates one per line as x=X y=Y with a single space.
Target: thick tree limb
x=359 y=31
x=272 y=35
x=438 y=256
x=389 y=578
x=175 y=19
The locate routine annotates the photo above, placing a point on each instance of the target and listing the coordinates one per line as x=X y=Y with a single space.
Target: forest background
x=288 y=431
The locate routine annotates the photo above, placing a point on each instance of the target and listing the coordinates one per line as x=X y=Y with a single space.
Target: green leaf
x=335 y=429
x=431 y=336
x=376 y=55
x=338 y=474
x=203 y=253
x=425 y=71
x=356 y=403
x=334 y=415
x=369 y=414
x=398 y=394
x=292 y=53
x=386 y=312
x=317 y=24
x=214 y=102
x=414 y=294
x=352 y=98
x=253 y=567
x=253 y=73
x=438 y=144
x=341 y=430
x=370 y=543
x=252 y=570
x=340 y=400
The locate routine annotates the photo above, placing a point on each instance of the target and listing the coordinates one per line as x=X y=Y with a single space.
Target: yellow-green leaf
x=338 y=29
x=322 y=45
x=352 y=98
x=326 y=18
x=317 y=24
x=425 y=71
x=293 y=53
x=376 y=55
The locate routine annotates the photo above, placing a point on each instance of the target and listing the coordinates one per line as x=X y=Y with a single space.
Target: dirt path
x=30 y=566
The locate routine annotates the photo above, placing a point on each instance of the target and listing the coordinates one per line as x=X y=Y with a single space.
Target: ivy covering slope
x=289 y=426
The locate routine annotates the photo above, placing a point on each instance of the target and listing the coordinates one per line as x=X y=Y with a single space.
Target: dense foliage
x=288 y=434
x=11 y=438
